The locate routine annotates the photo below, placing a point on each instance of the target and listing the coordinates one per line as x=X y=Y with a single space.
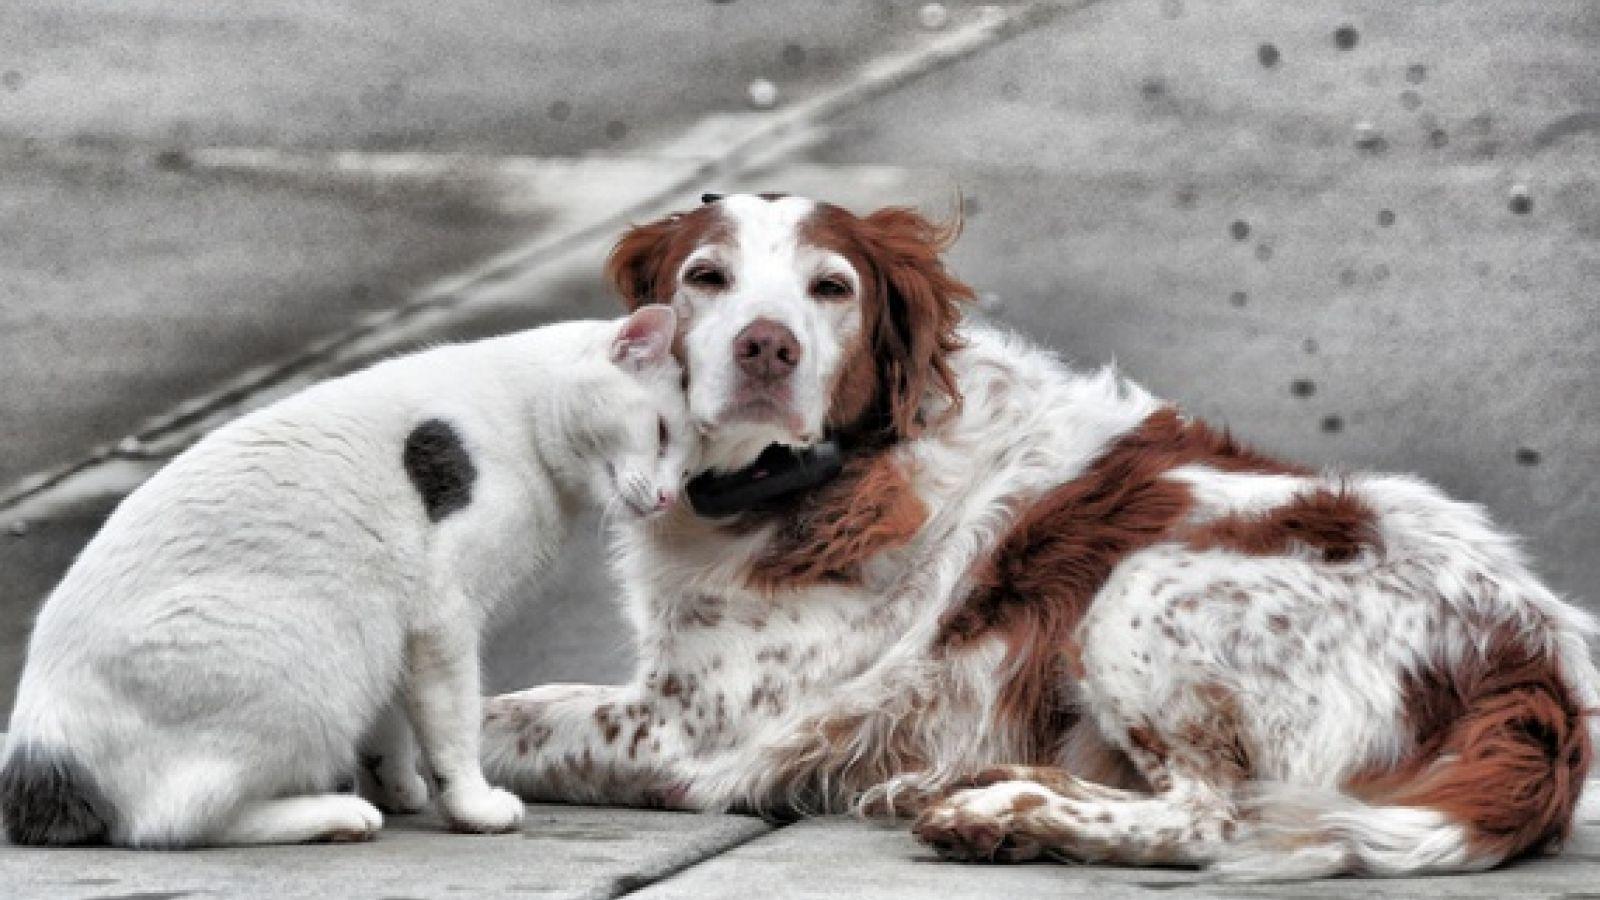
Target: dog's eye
x=707 y=277
x=830 y=287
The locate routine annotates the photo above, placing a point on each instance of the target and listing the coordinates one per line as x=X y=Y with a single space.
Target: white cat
x=206 y=671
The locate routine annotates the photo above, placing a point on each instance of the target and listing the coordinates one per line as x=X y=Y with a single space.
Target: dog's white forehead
x=763 y=227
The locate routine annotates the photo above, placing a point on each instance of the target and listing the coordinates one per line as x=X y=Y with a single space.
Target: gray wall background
x=1304 y=220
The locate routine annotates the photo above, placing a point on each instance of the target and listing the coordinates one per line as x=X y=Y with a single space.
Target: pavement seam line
x=875 y=78
x=626 y=885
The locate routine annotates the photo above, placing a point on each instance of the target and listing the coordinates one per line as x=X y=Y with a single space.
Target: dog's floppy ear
x=913 y=328
x=635 y=264
x=645 y=260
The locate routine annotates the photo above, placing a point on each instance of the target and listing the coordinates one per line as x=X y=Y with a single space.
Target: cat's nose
x=664 y=500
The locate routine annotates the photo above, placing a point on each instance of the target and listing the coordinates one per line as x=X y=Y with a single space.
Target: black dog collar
x=779 y=473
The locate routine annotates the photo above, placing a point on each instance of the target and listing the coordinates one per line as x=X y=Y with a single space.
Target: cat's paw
x=402 y=792
x=398 y=789
x=349 y=820
x=482 y=809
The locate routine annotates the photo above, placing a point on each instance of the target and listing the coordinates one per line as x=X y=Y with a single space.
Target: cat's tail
x=48 y=797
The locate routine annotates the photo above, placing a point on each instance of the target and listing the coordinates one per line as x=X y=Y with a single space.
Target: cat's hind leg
x=180 y=804
x=197 y=800
x=298 y=820
x=200 y=803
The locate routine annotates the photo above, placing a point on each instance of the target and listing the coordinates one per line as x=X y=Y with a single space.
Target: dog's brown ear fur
x=913 y=312
x=645 y=260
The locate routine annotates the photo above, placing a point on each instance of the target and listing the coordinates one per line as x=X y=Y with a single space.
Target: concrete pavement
x=576 y=852
x=246 y=203
x=843 y=858
x=561 y=852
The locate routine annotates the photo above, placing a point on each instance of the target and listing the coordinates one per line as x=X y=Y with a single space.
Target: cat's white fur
x=206 y=671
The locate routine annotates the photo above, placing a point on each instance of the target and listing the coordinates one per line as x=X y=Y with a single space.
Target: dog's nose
x=766 y=350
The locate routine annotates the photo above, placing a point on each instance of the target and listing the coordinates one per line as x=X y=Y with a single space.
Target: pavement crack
x=633 y=882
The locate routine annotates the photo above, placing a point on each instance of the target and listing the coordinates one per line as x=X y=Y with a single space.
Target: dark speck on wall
x=1369 y=138
x=1268 y=55
x=1416 y=73
x=1302 y=387
x=1332 y=424
x=1410 y=99
x=1528 y=456
x=1186 y=197
x=1309 y=345
x=1264 y=252
x=172 y=160
x=794 y=55
x=1438 y=137
x=1240 y=229
x=1385 y=218
x=1345 y=37
x=1238 y=298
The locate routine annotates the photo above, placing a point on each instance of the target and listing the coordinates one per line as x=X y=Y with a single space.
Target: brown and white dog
x=1042 y=609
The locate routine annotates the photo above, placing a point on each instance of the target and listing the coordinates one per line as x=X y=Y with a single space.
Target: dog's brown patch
x=1024 y=802
x=869 y=508
x=644 y=263
x=910 y=308
x=1036 y=585
x=1502 y=747
x=1335 y=524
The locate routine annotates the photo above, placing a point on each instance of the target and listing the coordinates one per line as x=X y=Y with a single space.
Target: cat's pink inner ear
x=646 y=337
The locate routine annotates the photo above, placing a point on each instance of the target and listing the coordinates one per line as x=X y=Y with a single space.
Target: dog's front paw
x=481 y=809
x=977 y=824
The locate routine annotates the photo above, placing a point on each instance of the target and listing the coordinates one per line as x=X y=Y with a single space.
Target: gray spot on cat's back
x=439 y=468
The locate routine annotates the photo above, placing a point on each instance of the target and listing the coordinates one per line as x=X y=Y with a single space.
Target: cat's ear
x=646 y=338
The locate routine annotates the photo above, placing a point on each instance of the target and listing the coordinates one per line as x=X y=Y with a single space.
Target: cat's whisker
x=608 y=515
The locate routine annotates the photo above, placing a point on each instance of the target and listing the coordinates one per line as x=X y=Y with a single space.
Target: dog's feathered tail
x=1498 y=777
